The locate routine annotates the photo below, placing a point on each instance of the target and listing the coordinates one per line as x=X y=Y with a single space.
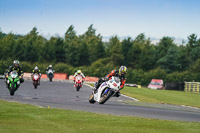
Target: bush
x=4 y=65
x=63 y=68
x=157 y=73
x=100 y=67
x=135 y=76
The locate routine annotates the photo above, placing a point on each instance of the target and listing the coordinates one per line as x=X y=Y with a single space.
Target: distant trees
x=88 y=52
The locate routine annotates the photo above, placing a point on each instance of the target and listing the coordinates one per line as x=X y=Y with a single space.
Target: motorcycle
x=105 y=91
x=13 y=82
x=35 y=79
x=50 y=74
x=78 y=82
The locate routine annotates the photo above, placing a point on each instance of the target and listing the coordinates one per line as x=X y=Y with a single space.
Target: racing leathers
x=109 y=76
x=19 y=71
x=76 y=74
x=38 y=72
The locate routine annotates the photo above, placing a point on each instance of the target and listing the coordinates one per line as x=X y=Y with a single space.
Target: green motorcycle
x=13 y=82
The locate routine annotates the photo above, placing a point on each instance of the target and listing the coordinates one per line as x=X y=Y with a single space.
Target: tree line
x=88 y=52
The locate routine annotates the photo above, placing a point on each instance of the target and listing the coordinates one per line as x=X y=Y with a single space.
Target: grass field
x=21 y=118
x=162 y=96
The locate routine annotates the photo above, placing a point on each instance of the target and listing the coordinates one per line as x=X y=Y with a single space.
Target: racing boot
x=96 y=86
x=117 y=94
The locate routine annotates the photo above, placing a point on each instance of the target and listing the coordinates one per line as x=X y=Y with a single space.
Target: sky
x=154 y=18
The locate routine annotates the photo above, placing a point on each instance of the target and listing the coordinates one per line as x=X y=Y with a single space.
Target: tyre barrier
x=192 y=87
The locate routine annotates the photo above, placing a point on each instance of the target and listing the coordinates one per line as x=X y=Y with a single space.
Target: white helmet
x=36 y=68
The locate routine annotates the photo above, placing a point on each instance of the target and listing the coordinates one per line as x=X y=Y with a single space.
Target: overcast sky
x=155 y=18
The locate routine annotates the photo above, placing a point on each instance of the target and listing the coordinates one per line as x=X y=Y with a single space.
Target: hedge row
x=100 y=68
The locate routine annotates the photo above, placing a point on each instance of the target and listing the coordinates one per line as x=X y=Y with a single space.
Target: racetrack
x=63 y=95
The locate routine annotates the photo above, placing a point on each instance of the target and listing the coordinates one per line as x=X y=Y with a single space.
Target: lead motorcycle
x=105 y=91
x=50 y=74
x=13 y=82
x=36 y=78
x=78 y=82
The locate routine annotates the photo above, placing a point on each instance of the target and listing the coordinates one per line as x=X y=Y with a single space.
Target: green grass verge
x=21 y=118
x=162 y=96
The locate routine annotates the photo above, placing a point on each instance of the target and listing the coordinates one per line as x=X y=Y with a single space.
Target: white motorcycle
x=50 y=74
x=105 y=91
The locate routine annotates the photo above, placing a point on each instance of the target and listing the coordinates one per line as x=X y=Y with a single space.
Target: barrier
x=44 y=76
x=90 y=79
x=60 y=76
x=71 y=77
x=27 y=75
x=56 y=76
x=2 y=76
x=192 y=87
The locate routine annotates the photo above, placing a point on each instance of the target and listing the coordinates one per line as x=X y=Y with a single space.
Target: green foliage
x=135 y=76
x=101 y=67
x=156 y=73
x=88 y=52
x=169 y=62
x=4 y=65
x=145 y=95
x=114 y=51
x=63 y=68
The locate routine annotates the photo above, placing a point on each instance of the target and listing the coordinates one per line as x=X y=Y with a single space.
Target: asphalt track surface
x=63 y=95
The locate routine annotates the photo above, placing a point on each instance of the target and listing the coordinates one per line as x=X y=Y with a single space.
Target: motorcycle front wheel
x=105 y=97
x=35 y=84
x=12 y=89
x=91 y=98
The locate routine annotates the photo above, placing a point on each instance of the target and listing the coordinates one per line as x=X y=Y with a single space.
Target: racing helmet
x=16 y=63
x=122 y=70
x=36 y=68
x=79 y=71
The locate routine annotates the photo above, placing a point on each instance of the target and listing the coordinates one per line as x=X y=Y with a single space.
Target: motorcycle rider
x=78 y=73
x=49 y=67
x=119 y=73
x=36 y=70
x=16 y=67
